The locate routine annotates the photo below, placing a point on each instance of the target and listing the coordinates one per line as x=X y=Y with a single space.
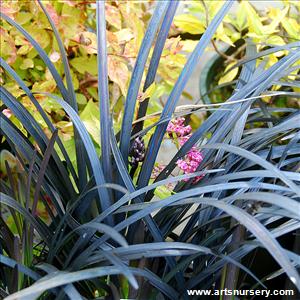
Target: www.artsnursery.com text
x=228 y=292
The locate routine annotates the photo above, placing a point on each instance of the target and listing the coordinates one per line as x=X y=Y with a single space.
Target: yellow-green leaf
x=26 y=64
x=275 y=40
x=292 y=27
x=276 y=15
x=23 y=50
x=85 y=64
x=221 y=35
x=6 y=156
x=230 y=75
x=90 y=118
x=162 y=192
x=255 y=24
x=23 y=17
x=188 y=45
x=241 y=18
x=148 y=93
x=189 y=23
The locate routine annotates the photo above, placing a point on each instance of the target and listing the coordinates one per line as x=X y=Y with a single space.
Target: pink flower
x=195 y=155
x=189 y=167
x=182 y=164
x=177 y=126
x=193 y=158
x=190 y=163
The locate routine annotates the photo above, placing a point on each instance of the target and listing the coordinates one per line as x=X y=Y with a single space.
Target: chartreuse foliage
x=272 y=25
x=100 y=234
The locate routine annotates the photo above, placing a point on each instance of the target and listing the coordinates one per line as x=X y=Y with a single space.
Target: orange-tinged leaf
x=53 y=14
x=118 y=72
x=10 y=8
x=7 y=47
x=113 y=16
x=124 y=35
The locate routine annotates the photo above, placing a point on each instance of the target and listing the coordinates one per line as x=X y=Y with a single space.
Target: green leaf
x=81 y=99
x=26 y=64
x=40 y=35
x=69 y=15
x=93 y=92
x=162 y=192
x=84 y=64
x=90 y=118
x=23 y=50
x=23 y=17
x=75 y=80
x=49 y=105
x=69 y=145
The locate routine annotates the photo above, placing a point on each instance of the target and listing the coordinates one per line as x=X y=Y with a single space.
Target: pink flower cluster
x=177 y=126
x=190 y=163
x=194 y=157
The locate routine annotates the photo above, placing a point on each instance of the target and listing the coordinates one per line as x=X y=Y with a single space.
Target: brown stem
x=220 y=52
x=212 y=41
x=239 y=50
x=88 y=80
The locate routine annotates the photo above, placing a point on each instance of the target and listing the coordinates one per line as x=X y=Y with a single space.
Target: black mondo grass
x=108 y=231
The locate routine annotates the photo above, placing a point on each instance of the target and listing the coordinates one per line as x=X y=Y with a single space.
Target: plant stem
x=229 y=58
